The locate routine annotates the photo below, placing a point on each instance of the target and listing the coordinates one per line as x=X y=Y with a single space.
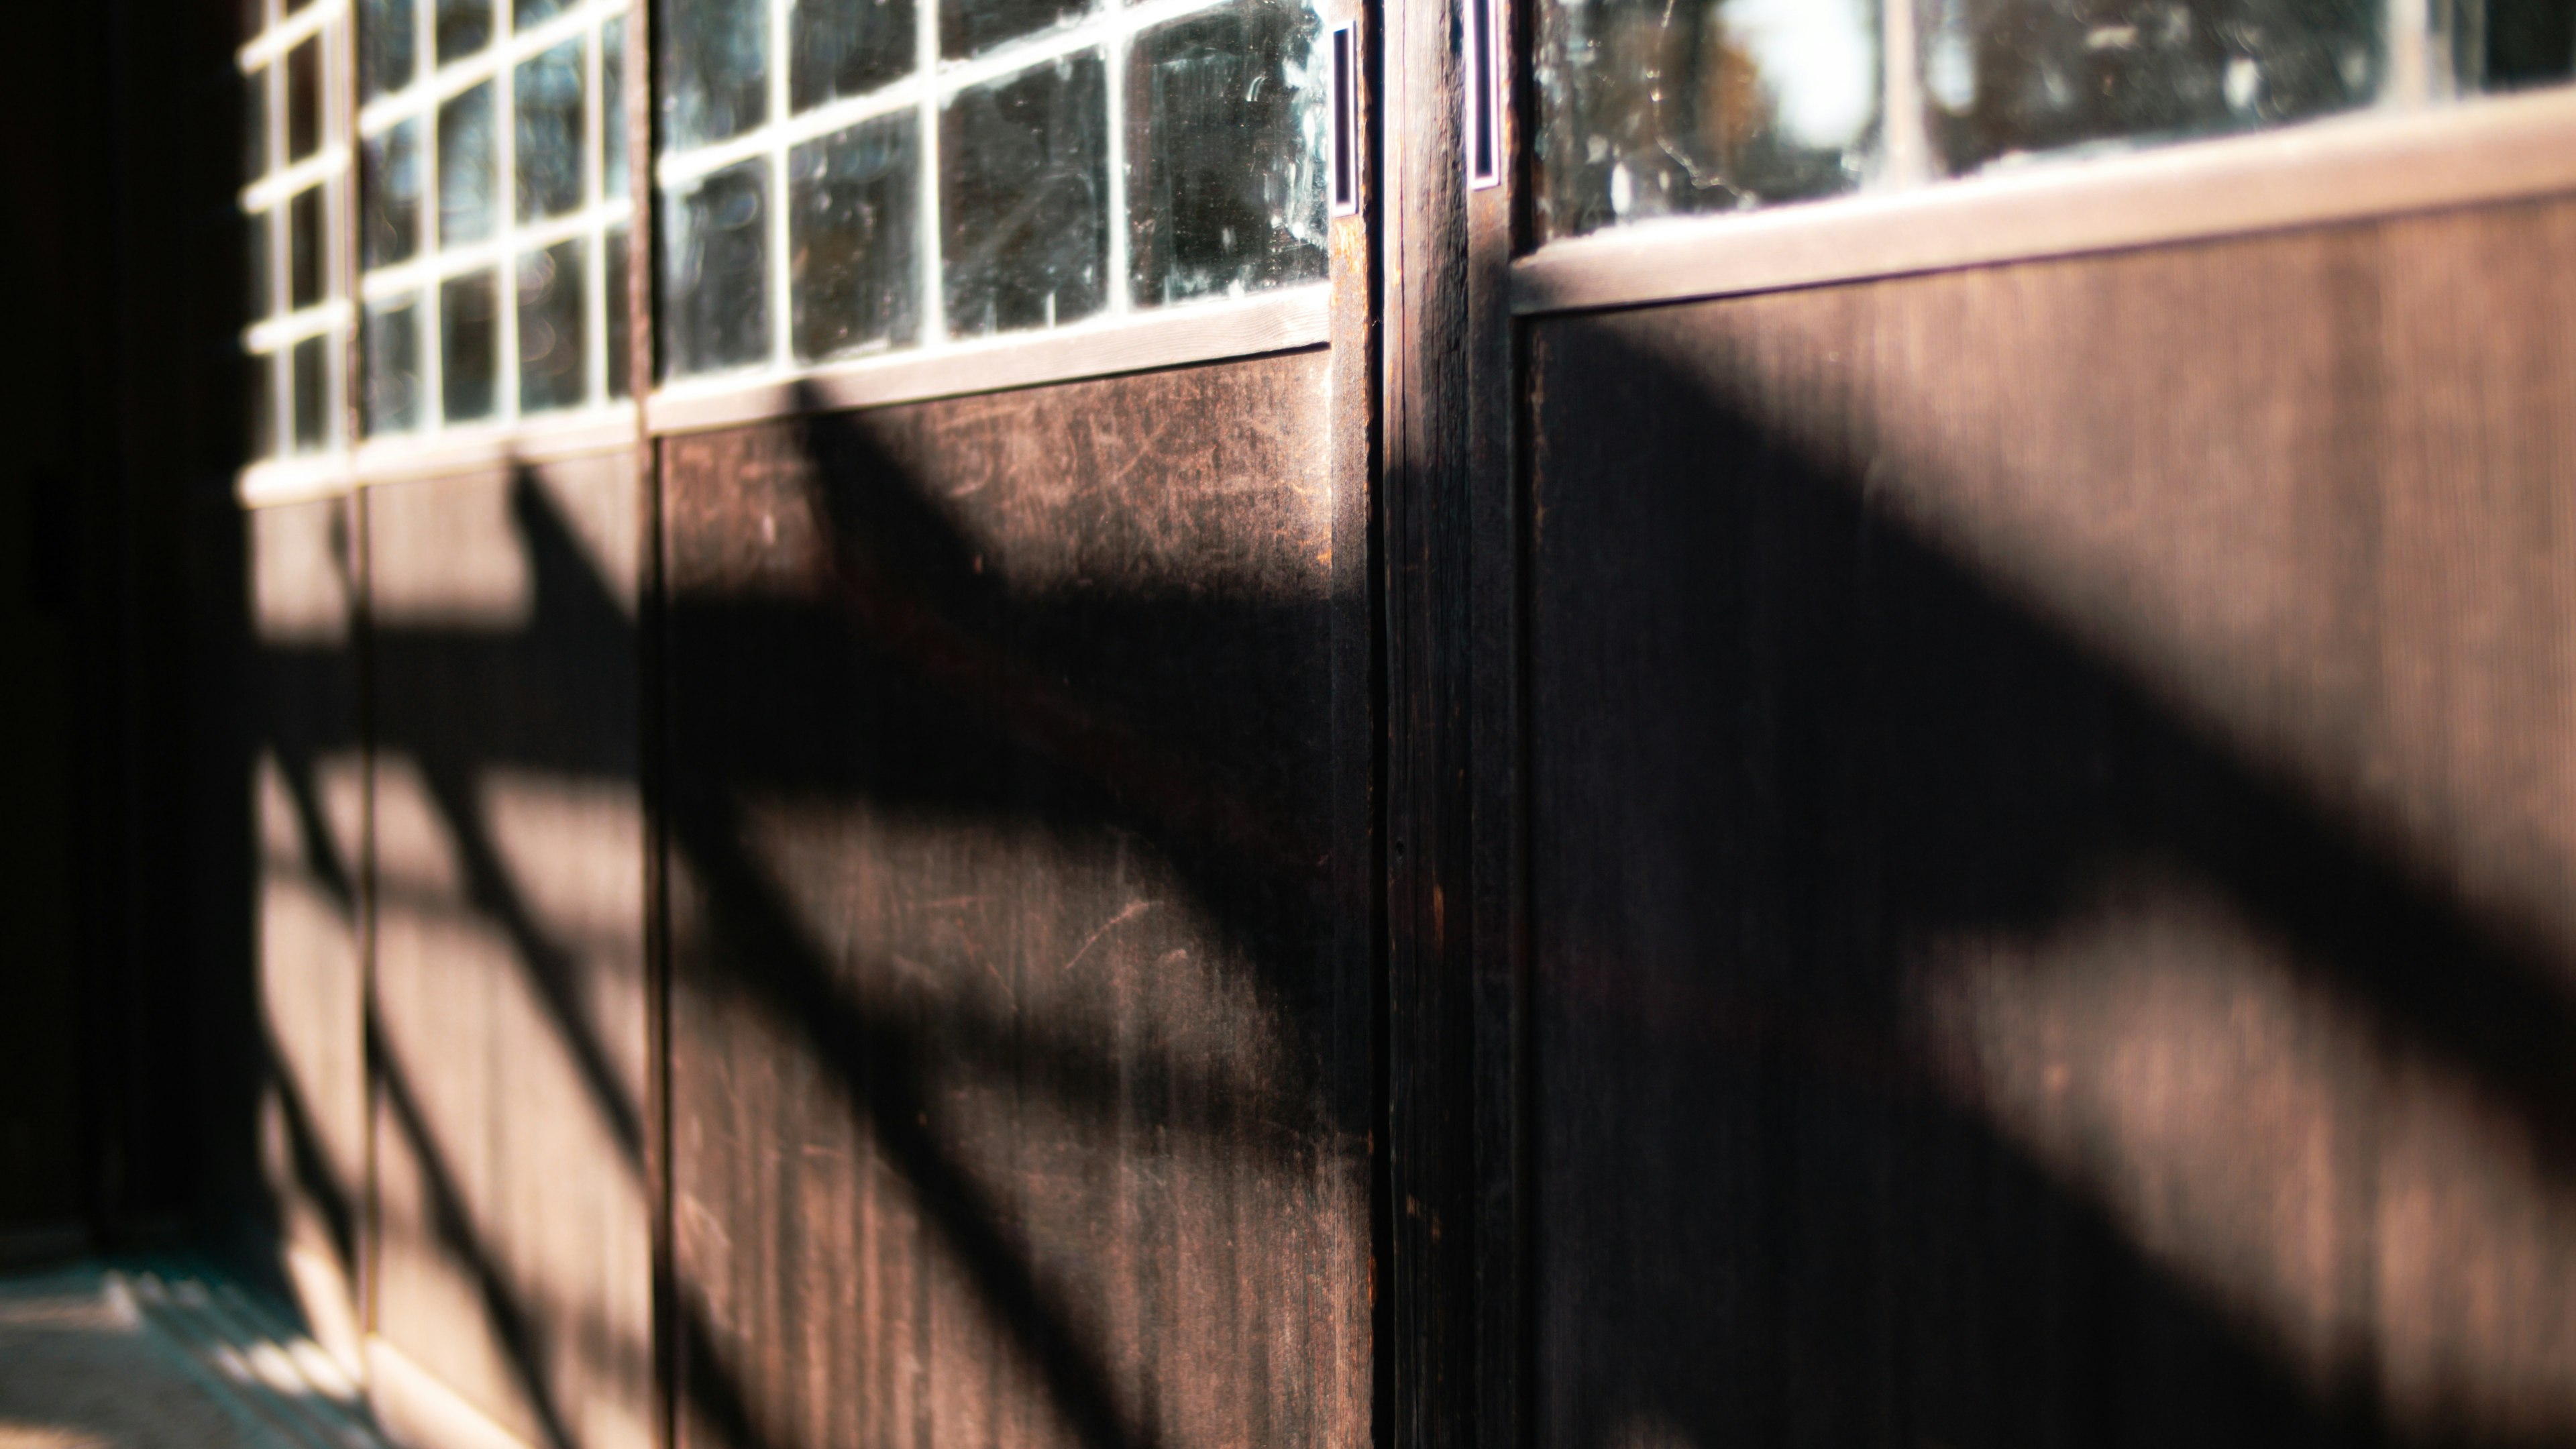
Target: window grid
x=1109 y=29
x=419 y=279
x=280 y=346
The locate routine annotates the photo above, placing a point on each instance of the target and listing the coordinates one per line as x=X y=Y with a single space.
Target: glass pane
x=389 y=194
x=1023 y=199
x=532 y=12
x=549 y=132
x=620 y=345
x=292 y=6
x=554 y=368
x=465 y=167
x=464 y=27
x=612 y=100
x=969 y=26
x=715 y=59
x=392 y=340
x=469 y=350
x=388 y=47
x=254 y=18
x=260 y=292
x=715 y=292
x=1225 y=153
x=255 y=125
x=308 y=268
x=1660 y=108
x=312 y=368
x=850 y=237
x=2008 y=76
x=304 y=100
x=2508 y=44
x=847 y=48
x=259 y=404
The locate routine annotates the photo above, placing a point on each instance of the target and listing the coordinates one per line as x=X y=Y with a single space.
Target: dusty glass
x=715 y=297
x=715 y=61
x=464 y=27
x=469 y=349
x=967 y=27
x=554 y=367
x=851 y=237
x=388 y=47
x=311 y=368
x=254 y=156
x=261 y=298
x=846 y=48
x=304 y=100
x=1656 y=108
x=612 y=114
x=465 y=167
x=1225 y=152
x=619 y=346
x=389 y=194
x=259 y=404
x=546 y=98
x=308 y=262
x=1023 y=199
x=2505 y=45
x=524 y=13
x=390 y=339
x=2002 y=77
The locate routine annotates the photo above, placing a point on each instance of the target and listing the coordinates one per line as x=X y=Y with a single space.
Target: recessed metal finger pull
x=1346 y=119
x=1482 y=33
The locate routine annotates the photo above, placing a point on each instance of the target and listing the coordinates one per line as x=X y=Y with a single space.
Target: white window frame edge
x=2348 y=169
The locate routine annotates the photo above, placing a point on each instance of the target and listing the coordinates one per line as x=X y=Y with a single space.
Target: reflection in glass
x=465 y=166
x=1225 y=152
x=261 y=298
x=967 y=27
x=554 y=369
x=469 y=347
x=620 y=345
x=612 y=100
x=388 y=48
x=715 y=58
x=850 y=237
x=311 y=367
x=307 y=265
x=2504 y=45
x=259 y=404
x=304 y=100
x=714 y=286
x=846 y=48
x=2007 y=76
x=547 y=98
x=1667 y=108
x=532 y=12
x=391 y=341
x=464 y=27
x=255 y=125
x=389 y=194
x=1023 y=199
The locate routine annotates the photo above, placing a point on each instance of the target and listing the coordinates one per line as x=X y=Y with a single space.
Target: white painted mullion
x=782 y=314
x=929 y=270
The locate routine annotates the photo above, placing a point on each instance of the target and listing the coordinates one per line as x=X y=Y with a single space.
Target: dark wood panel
x=2053 y=835
x=1018 y=1053
x=308 y=787
x=507 y=1030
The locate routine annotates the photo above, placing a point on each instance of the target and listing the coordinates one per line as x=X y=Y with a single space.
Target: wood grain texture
x=2053 y=838
x=1018 y=1062
x=508 y=1034
x=308 y=787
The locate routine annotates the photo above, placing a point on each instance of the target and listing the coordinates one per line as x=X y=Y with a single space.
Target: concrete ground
x=162 y=1357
